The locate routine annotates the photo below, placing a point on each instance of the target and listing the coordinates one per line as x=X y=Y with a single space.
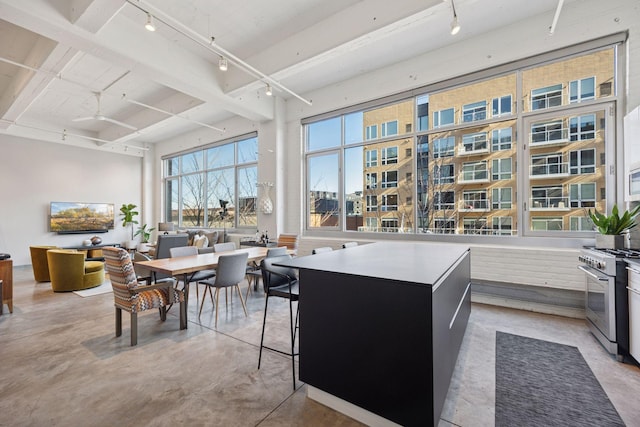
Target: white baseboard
x=349 y=409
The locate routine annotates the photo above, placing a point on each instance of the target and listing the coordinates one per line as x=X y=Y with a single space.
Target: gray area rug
x=540 y=383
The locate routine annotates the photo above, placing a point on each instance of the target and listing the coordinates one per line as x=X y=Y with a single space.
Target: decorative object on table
x=266 y=204
x=95 y=240
x=86 y=242
x=612 y=228
x=128 y=214
x=145 y=234
x=165 y=227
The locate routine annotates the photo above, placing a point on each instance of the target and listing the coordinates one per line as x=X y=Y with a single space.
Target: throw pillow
x=213 y=237
x=200 y=241
x=191 y=234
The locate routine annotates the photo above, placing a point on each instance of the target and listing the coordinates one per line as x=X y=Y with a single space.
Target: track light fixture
x=208 y=43
x=149 y=25
x=223 y=64
x=268 y=90
x=455 y=25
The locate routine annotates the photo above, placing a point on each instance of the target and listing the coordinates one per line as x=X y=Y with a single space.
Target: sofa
x=203 y=238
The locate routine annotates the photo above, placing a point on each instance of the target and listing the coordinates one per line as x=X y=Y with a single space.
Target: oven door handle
x=595 y=276
x=635 y=291
x=633 y=270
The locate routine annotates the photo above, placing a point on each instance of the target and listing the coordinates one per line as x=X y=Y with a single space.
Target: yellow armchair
x=70 y=272
x=39 y=262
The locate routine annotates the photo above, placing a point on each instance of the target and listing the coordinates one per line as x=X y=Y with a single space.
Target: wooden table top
x=193 y=263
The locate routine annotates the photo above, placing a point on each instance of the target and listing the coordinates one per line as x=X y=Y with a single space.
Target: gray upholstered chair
x=133 y=297
x=229 y=273
x=224 y=247
x=195 y=276
x=167 y=241
x=163 y=248
x=321 y=250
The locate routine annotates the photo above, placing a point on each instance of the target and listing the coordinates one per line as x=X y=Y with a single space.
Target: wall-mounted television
x=76 y=218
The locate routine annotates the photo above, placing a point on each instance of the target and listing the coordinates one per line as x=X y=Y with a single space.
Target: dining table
x=186 y=265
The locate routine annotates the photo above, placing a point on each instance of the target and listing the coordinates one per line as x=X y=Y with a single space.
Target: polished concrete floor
x=63 y=366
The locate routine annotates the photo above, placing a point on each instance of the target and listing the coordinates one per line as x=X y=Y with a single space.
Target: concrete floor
x=63 y=366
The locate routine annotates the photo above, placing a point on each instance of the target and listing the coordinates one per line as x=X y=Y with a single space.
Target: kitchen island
x=381 y=326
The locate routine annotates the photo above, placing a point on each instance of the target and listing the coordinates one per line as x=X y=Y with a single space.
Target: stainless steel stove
x=606 y=299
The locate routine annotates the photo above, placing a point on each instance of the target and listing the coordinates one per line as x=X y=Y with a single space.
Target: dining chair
x=349 y=245
x=281 y=282
x=224 y=247
x=197 y=275
x=163 y=249
x=254 y=273
x=230 y=272
x=131 y=296
x=143 y=274
x=290 y=241
x=321 y=250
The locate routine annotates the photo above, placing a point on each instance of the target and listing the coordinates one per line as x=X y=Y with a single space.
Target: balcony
x=473 y=177
x=549 y=204
x=551 y=170
x=474 y=205
x=544 y=136
x=472 y=150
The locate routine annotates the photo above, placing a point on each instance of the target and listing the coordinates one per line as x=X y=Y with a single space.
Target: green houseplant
x=145 y=234
x=612 y=227
x=128 y=213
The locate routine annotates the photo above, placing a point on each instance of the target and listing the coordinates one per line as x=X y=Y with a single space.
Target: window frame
x=521 y=216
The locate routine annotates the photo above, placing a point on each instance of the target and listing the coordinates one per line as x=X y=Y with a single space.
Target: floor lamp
x=165 y=226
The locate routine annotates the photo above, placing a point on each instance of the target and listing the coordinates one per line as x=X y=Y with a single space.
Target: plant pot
x=609 y=241
x=143 y=247
x=131 y=244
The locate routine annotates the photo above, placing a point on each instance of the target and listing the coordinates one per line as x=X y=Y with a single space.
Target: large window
x=474 y=112
x=523 y=152
x=501 y=139
x=474 y=143
x=582 y=90
x=501 y=169
x=444 y=147
x=199 y=185
x=550 y=96
x=443 y=117
x=501 y=106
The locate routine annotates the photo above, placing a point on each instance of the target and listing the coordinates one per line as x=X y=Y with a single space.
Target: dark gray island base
x=381 y=326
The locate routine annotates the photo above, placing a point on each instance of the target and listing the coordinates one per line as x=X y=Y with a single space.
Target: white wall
x=34 y=173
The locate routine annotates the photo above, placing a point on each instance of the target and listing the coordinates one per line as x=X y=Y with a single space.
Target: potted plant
x=128 y=213
x=145 y=235
x=611 y=228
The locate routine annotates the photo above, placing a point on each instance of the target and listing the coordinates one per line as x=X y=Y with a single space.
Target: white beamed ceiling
x=84 y=46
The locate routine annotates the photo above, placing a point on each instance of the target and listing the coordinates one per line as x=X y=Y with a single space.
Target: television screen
x=69 y=217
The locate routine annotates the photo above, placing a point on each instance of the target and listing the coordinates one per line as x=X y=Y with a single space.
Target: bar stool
x=280 y=282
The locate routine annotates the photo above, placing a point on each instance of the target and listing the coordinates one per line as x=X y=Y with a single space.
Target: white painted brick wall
x=553 y=268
